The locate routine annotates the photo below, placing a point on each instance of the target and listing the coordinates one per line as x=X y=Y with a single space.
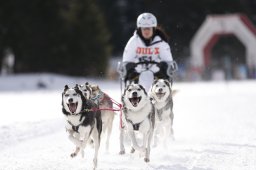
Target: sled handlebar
x=146 y=62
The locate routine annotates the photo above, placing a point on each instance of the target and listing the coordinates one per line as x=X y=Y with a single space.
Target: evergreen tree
x=59 y=36
x=86 y=37
x=75 y=36
x=30 y=32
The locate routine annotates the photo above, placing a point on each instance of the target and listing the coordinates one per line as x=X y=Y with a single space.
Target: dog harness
x=97 y=97
x=75 y=128
x=136 y=126
x=101 y=98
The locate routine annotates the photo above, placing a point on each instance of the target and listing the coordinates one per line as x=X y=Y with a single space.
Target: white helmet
x=146 y=20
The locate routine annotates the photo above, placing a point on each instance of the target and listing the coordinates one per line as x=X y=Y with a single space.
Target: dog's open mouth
x=135 y=101
x=72 y=107
x=160 y=95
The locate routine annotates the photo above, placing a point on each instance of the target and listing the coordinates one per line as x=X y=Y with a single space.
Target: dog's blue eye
x=156 y=85
x=139 y=89
x=163 y=85
x=74 y=94
x=129 y=89
x=66 y=95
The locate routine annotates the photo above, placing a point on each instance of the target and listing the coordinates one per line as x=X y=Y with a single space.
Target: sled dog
x=86 y=90
x=105 y=104
x=82 y=121
x=138 y=116
x=161 y=96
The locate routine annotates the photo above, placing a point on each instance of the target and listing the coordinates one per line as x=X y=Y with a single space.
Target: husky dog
x=138 y=116
x=86 y=90
x=83 y=121
x=161 y=96
x=107 y=115
x=105 y=105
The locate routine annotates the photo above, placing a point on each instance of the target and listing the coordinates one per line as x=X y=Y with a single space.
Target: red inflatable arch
x=213 y=27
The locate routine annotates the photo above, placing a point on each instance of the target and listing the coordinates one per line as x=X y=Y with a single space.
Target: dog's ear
x=167 y=83
x=95 y=87
x=66 y=87
x=89 y=89
x=130 y=85
x=155 y=81
x=125 y=90
x=76 y=86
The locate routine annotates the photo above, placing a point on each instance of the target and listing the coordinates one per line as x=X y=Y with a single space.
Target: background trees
x=67 y=36
x=77 y=37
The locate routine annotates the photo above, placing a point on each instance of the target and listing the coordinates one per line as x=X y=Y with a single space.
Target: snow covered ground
x=214 y=126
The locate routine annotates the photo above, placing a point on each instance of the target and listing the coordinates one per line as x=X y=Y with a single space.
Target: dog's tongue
x=72 y=107
x=160 y=95
x=134 y=101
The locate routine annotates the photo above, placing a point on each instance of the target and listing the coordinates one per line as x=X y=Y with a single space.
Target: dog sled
x=146 y=75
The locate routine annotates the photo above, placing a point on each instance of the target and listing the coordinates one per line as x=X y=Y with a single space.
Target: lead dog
x=83 y=122
x=138 y=115
x=161 y=95
x=104 y=102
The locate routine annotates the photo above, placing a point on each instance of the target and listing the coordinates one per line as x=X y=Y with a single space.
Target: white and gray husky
x=83 y=122
x=161 y=95
x=138 y=116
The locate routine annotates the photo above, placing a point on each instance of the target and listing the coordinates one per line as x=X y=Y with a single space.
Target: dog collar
x=98 y=96
x=136 y=126
x=88 y=110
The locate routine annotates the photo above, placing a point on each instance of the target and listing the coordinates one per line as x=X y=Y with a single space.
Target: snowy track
x=214 y=126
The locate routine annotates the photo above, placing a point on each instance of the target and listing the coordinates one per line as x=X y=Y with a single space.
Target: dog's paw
x=95 y=162
x=132 y=150
x=73 y=155
x=146 y=159
x=122 y=152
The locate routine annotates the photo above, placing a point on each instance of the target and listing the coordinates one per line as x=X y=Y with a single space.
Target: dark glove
x=162 y=73
x=131 y=73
